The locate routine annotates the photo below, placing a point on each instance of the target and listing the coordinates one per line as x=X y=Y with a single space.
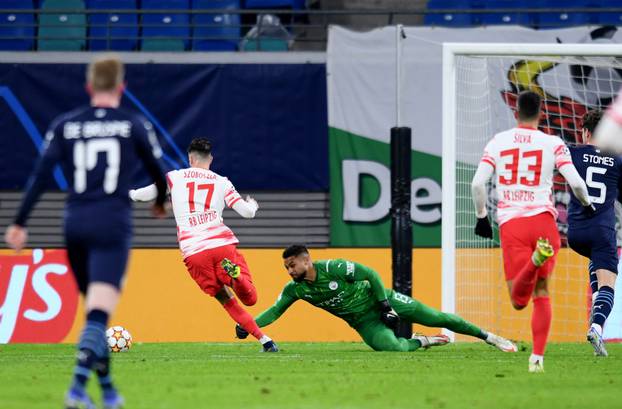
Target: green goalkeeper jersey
x=346 y=289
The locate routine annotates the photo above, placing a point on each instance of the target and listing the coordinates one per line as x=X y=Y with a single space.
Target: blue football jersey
x=99 y=150
x=603 y=176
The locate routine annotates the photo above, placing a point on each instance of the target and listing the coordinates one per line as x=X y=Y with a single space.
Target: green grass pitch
x=322 y=375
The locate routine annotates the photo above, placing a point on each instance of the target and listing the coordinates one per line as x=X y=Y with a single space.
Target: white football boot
x=431 y=341
x=596 y=339
x=501 y=343
x=536 y=363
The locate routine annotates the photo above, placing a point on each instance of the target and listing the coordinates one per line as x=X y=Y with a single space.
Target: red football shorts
x=518 y=241
x=206 y=270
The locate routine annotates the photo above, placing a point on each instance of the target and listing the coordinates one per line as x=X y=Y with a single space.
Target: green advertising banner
x=367 y=91
x=360 y=193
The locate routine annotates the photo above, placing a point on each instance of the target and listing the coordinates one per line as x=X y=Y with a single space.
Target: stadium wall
x=162 y=303
x=256 y=110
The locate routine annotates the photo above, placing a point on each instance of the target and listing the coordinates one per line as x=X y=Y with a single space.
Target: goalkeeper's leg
x=381 y=338
x=413 y=311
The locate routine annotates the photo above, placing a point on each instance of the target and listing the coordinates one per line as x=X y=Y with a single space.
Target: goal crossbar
x=451 y=51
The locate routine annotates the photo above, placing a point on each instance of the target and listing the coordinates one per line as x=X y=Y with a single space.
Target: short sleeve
x=562 y=154
x=342 y=268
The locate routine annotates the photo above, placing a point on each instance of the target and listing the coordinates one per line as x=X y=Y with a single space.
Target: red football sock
x=524 y=283
x=540 y=323
x=242 y=317
x=245 y=290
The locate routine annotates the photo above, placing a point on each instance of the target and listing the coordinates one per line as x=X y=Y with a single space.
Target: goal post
x=480 y=85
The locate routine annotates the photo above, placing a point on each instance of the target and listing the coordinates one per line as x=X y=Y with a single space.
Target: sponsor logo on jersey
x=40 y=297
x=333 y=301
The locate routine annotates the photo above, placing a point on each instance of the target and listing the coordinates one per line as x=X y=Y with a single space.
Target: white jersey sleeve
x=231 y=195
x=199 y=197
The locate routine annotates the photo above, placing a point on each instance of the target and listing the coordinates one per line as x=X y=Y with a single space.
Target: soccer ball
x=119 y=339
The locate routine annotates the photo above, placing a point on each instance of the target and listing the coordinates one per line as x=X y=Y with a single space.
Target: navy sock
x=102 y=368
x=92 y=345
x=602 y=305
x=593 y=281
x=483 y=335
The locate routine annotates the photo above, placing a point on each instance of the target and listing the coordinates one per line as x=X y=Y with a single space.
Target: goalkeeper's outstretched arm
x=285 y=300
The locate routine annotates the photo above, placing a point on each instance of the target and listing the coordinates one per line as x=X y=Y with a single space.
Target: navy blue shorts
x=598 y=243
x=97 y=252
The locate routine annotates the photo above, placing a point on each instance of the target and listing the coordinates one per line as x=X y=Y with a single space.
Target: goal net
x=480 y=87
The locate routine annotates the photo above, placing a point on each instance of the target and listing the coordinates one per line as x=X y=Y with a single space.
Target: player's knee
x=250 y=299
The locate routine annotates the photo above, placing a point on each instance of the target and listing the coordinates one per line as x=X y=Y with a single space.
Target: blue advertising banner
x=267 y=122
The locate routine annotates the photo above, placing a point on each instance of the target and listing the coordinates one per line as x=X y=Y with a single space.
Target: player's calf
x=523 y=285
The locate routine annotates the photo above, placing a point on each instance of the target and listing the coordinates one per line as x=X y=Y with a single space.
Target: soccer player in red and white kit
x=208 y=246
x=523 y=159
x=608 y=134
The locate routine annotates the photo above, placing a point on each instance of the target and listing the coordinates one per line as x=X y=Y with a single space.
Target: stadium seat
x=17 y=30
x=165 y=31
x=64 y=31
x=456 y=19
x=215 y=32
x=112 y=31
x=267 y=35
x=506 y=18
x=607 y=18
x=562 y=19
x=271 y=4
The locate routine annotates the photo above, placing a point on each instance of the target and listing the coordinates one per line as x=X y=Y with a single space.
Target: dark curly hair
x=295 y=250
x=591 y=119
x=202 y=146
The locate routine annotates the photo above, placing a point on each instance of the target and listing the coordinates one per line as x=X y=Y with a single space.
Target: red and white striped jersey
x=523 y=160
x=199 y=197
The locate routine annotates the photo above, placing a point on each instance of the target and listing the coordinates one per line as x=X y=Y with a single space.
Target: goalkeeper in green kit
x=356 y=294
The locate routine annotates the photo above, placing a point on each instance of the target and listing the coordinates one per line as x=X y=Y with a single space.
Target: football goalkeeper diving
x=356 y=294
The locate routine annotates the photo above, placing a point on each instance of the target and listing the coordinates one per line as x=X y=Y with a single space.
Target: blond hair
x=105 y=73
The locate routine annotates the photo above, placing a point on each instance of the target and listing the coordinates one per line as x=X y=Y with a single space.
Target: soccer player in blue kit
x=99 y=147
x=592 y=234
